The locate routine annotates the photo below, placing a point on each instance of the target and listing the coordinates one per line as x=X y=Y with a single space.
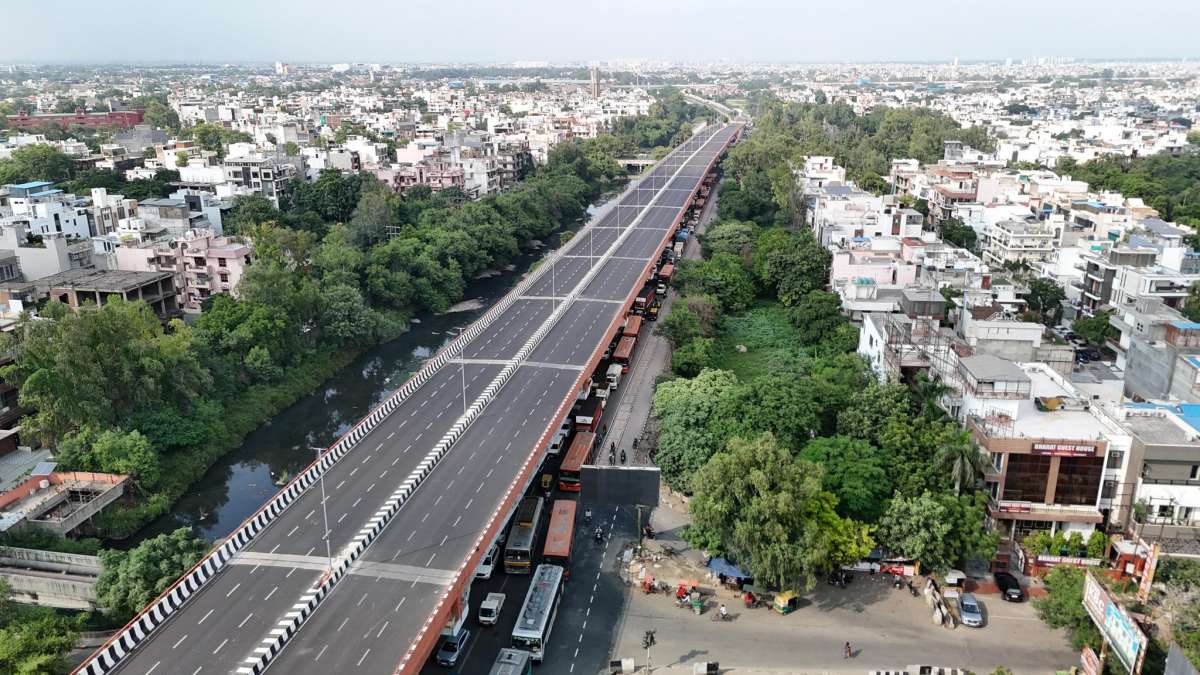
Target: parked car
x=1010 y=588
x=1092 y=353
x=452 y=648
x=484 y=571
x=969 y=611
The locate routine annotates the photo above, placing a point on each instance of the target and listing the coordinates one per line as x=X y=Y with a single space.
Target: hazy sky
x=219 y=31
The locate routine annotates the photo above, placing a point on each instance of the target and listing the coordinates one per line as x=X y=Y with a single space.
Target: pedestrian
x=846 y=651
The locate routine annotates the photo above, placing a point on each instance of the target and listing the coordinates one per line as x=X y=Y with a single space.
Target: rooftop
x=102 y=280
x=1153 y=425
x=31 y=185
x=1067 y=422
x=990 y=368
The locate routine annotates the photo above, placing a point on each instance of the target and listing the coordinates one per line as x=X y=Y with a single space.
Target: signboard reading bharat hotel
x=1064 y=449
x=1118 y=628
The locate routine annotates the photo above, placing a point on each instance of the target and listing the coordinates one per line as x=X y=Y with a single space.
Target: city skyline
x=872 y=31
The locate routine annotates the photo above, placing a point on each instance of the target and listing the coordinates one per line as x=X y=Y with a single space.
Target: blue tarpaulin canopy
x=723 y=566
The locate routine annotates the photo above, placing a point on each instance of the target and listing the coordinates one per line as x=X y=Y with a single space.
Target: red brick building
x=123 y=119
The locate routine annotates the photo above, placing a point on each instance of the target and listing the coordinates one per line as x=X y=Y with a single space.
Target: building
x=200 y=262
x=123 y=119
x=79 y=288
x=45 y=210
x=1052 y=449
x=1166 y=368
x=1164 y=474
x=263 y=175
x=1011 y=242
x=44 y=256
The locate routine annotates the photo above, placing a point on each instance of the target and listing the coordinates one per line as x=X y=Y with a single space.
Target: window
x=1164 y=510
x=1195 y=474
x=224 y=278
x=1116 y=458
x=221 y=262
x=1108 y=490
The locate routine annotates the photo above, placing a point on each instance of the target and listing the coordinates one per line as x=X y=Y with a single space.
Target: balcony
x=1006 y=509
x=201 y=281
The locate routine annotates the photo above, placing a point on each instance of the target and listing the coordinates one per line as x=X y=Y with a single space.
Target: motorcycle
x=599 y=535
x=622 y=455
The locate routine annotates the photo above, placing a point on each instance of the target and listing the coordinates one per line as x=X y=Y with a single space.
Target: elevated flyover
x=417 y=490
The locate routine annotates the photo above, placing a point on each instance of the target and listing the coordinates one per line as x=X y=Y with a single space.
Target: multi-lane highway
x=373 y=614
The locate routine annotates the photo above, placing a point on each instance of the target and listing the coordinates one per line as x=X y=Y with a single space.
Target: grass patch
x=766 y=333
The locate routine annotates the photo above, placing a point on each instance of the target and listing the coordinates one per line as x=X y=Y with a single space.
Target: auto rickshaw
x=547 y=483
x=786 y=602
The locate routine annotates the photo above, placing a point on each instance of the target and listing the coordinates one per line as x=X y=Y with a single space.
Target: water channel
x=245 y=478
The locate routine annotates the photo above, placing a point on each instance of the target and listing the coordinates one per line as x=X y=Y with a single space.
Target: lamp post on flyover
x=462 y=367
x=324 y=513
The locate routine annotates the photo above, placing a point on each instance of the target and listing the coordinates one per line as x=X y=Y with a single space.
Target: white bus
x=522 y=537
x=536 y=619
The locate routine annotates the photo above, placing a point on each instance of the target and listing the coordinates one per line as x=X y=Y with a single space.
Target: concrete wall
x=50 y=590
x=52 y=561
x=1150 y=369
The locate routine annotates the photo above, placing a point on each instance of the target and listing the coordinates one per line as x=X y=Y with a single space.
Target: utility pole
x=324 y=512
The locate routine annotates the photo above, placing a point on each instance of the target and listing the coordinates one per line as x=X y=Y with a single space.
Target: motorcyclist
x=599 y=535
x=587 y=516
x=724 y=613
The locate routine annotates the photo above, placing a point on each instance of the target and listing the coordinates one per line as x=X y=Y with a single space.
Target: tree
x=1045 y=298
x=756 y=501
x=1095 y=329
x=817 y=317
x=1062 y=608
x=870 y=408
x=181 y=158
x=694 y=356
x=730 y=236
x=721 y=276
x=955 y=232
x=940 y=530
x=42 y=162
x=928 y=392
x=156 y=113
x=248 y=211
x=111 y=451
x=855 y=471
x=964 y=461
x=291 y=149
x=143 y=367
x=129 y=580
x=791 y=266
x=33 y=639
x=692 y=429
x=345 y=316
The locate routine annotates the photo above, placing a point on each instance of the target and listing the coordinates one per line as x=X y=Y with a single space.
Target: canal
x=245 y=478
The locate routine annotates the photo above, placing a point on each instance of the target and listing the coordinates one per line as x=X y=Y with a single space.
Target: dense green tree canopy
x=855 y=471
x=756 y=501
x=129 y=580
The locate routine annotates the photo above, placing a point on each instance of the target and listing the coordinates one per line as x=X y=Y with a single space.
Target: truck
x=678 y=249
x=624 y=352
x=633 y=326
x=489 y=609
x=652 y=311
x=642 y=301
x=613 y=375
x=588 y=414
x=664 y=279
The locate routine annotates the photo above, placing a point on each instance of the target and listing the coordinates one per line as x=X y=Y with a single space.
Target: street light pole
x=324 y=512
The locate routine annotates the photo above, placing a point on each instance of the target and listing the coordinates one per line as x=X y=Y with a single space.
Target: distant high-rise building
x=595 y=73
x=282 y=68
